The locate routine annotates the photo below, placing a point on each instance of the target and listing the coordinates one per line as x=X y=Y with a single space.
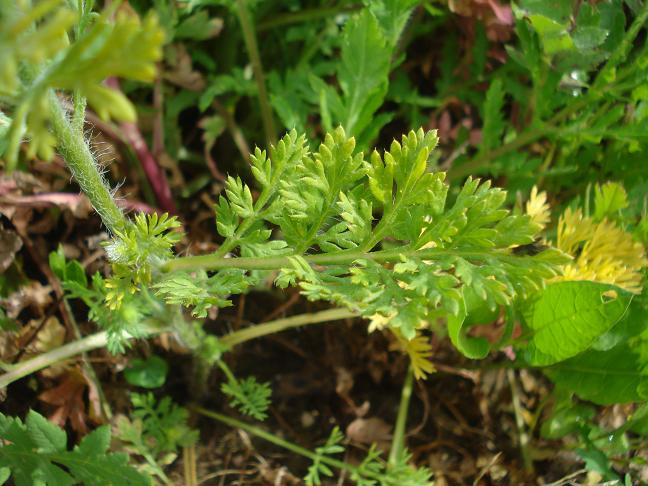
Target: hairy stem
x=83 y=166
x=249 y=37
x=398 y=441
x=79 y=112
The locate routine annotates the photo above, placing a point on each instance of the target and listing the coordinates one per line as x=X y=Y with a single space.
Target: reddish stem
x=154 y=173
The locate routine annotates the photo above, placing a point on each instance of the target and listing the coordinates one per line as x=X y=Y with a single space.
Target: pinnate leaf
x=36 y=451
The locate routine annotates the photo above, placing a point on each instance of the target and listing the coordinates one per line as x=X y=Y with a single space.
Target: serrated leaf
x=46 y=436
x=569 y=316
x=96 y=442
x=492 y=115
x=364 y=66
x=36 y=452
x=609 y=199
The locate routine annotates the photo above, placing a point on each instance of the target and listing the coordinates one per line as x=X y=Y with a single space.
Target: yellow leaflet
x=602 y=252
x=419 y=351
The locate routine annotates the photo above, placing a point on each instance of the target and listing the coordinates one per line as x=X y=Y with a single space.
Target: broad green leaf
x=602 y=377
x=639 y=420
x=474 y=348
x=147 y=373
x=567 y=420
x=569 y=316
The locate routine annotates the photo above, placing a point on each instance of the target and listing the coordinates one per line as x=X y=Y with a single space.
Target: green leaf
x=602 y=377
x=5 y=473
x=568 y=317
x=473 y=348
x=392 y=15
x=35 y=453
x=198 y=26
x=147 y=373
x=46 y=436
x=363 y=71
x=639 y=420
x=609 y=199
x=57 y=263
x=568 y=419
x=249 y=396
x=589 y=37
x=493 y=117
x=74 y=272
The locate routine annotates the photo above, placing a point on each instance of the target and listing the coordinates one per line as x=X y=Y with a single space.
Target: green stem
x=79 y=159
x=79 y=113
x=398 y=441
x=216 y=262
x=253 y=332
x=305 y=15
x=258 y=432
x=249 y=37
x=62 y=353
x=100 y=340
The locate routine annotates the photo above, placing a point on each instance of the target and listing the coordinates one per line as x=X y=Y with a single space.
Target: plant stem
x=305 y=15
x=216 y=262
x=279 y=325
x=100 y=340
x=22 y=369
x=79 y=159
x=249 y=37
x=78 y=118
x=523 y=436
x=398 y=441
x=258 y=432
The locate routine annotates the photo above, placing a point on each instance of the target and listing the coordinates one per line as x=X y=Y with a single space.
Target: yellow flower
x=537 y=207
x=602 y=252
x=419 y=351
